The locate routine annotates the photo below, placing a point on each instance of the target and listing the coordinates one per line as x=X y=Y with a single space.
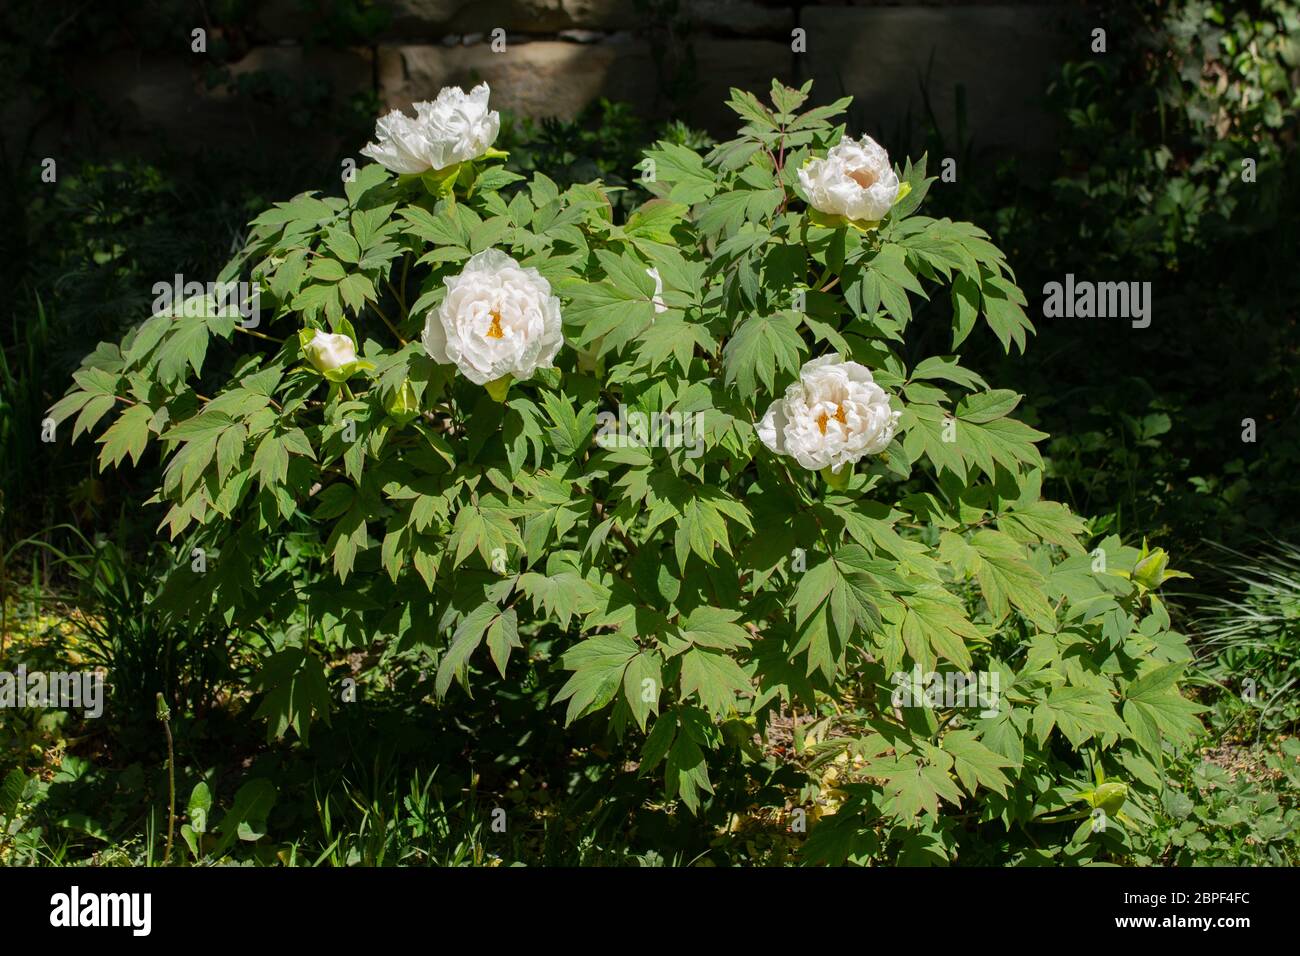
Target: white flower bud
x=327 y=351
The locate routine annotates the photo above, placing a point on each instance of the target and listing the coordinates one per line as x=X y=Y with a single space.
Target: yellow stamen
x=823 y=418
x=494 y=330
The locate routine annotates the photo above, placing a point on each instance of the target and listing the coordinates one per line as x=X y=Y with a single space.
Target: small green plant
x=1212 y=816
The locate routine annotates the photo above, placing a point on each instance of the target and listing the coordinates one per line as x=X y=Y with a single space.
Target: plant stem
x=388 y=322
x=164 y=714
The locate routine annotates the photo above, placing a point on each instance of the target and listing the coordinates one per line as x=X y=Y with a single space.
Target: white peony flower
x=658 y=298
x=454 y=128
x=330 y=350
x=855 y=180
x=834 y=415
x=497 y=319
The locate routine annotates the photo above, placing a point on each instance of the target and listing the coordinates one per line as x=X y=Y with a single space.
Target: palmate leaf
x=1155 y=710
x=465 y=640
x=975 y=764
x=913 y=786
x=715 y=678
x=1007 y=579
x=933 y=623
x=655 y=220
x=1004 y=311
x=560 y=595
x=1080 y=713
x=700 y=513
x=485 y=526
x=727 y=212
x=602 y=310
x=598 y=666
x=675 y=338
x=687 y=772
x=296 y=692
x=683 y=171
x=840 y=593
x=643 y=686
x=714 y=627
x=1048 y=521
x=348 y=538
x=761 y=347
x=127 y=436
x=974 y=436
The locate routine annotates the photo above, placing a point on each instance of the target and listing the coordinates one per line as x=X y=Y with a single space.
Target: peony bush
x=856 y=541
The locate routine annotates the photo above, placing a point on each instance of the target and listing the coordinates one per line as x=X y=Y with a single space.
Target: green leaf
x=935 y=622
x=295 y=689
x=975 y=764
x=246 y=818
x=687 y=772
x=762 y=346
x=642 y=686
x=598 y=664
x=682 y=169
x=714 y=627
x=200 y=803
x=1007 y=579
x=1154 y=709
x=127 y=436
x=468 y=636
x=715 y=677
x=913 y=786
x=1079 y=712
x=503 y=637
x=11 y=793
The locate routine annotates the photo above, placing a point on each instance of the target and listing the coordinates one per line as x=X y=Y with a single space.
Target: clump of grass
x=1249 y=640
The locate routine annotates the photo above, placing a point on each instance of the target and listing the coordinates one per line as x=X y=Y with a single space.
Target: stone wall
x=560 y=55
